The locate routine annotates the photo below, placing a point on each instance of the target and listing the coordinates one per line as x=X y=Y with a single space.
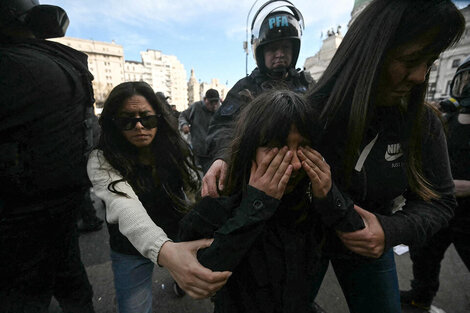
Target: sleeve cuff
x=337 y=211
x=153 y=256
x=257 y=204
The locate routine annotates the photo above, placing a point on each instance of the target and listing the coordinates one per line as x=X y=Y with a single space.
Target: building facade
x=318 y=63
x=194 y=89
x=105 y=62
x=134 y=71
x=164 y=73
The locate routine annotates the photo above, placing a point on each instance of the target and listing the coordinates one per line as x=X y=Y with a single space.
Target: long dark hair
x=346 y=92
x=170 y=151
x=266 y=122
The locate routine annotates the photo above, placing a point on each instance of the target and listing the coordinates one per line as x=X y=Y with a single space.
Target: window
x=455 y=63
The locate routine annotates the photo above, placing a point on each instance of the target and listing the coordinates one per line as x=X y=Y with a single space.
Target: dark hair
x=170 y=151
x=345 y=93
x=266 y=122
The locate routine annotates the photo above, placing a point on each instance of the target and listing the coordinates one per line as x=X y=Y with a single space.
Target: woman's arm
x=147 y=237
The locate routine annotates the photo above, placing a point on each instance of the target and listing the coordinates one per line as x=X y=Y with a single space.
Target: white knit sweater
x=129 y=213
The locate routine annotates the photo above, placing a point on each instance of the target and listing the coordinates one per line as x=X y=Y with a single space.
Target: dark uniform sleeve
x=234 y=232
x=222 y=125
x=419 y=219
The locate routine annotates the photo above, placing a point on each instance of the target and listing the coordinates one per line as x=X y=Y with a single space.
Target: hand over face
x=317 y=170
x=271 y=171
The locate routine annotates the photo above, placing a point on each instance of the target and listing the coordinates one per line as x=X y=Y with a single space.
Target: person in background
x=385 y=144
x=427 y=259
x=141 y=169
x=195 y=122
x=176 y=113
x=276 y=33
x=46 y=96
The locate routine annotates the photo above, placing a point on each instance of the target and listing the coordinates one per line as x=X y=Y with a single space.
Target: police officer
x=45 y=98
x=276 y=31
x=427 y=259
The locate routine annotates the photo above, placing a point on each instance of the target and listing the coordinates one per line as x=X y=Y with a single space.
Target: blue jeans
x=370 y=286
x=133 y=282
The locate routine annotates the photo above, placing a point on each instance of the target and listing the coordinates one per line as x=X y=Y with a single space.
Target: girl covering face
x=266 y=230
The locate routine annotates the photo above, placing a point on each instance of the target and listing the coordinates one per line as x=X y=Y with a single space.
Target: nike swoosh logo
x=393 y=157
x=393 y=152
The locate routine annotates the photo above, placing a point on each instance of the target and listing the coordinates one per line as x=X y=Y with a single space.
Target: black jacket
x=45 y=98
x=198 y=117
x=383 y=178
x=272 y=247
x=221 y=127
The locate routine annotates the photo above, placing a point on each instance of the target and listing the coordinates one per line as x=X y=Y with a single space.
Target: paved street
x=453 y=296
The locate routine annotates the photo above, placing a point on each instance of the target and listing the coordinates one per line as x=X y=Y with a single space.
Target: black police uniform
x=427 y=259
x=45 y=97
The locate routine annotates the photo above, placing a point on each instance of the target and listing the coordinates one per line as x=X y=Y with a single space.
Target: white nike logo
x=393 y=152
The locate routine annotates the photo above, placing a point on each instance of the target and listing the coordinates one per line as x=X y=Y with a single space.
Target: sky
x=206 y=35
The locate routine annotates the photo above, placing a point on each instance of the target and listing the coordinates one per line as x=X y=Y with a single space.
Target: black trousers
x=40 y=258
x=427 y=259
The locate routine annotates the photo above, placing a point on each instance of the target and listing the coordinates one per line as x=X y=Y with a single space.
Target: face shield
x=269 y=7
x=461 y=84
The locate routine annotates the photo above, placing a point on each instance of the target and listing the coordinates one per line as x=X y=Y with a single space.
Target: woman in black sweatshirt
x=386 y=147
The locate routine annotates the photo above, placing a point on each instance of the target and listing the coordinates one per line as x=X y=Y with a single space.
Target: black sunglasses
x=128 y=123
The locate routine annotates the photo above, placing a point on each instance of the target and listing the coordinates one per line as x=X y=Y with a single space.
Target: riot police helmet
x=275 y=21
x=460 y=85
x=44 y=21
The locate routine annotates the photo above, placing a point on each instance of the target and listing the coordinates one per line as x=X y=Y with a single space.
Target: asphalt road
x=453 y=295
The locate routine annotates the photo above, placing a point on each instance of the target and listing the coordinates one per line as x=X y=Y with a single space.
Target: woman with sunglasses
x=140 y=169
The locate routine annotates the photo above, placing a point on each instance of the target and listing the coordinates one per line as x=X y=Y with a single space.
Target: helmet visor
x=272 y=7
x=461 y=84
